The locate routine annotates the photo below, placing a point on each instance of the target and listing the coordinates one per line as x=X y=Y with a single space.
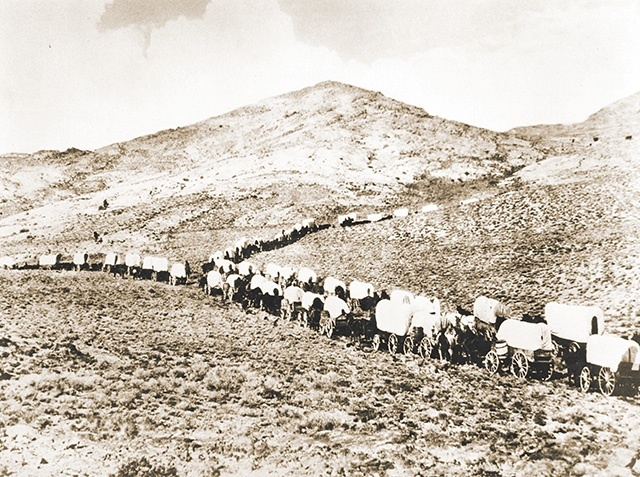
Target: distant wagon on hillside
x=80 y=261
x=50 y=261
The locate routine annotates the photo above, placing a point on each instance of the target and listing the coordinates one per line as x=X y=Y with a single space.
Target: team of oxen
x=569 y=338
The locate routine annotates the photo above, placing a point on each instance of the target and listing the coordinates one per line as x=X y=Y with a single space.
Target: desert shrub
x=143 y=468
x=224 y=382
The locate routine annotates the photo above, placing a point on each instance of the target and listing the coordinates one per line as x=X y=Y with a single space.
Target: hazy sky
x=87 y=73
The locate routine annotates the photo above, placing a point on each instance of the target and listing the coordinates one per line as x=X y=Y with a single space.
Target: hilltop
x=320 y=150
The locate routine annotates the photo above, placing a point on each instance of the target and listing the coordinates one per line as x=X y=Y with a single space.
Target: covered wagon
x=133 y=262
x=426 y=323
x=111 y=261
x=307 y=277
x=401 y=296
x=310 y=308
x=233 y=287
x=81 y=261
x=362 y=301
x=334 y=286
x=214 y=283
x=571 y=326
x=335 y=316
x=7 y=262
x=246 y=268
x=524 y=348
x=291 y=302
x=393 y=321
x=178 y=274
x=49 y=261
x=612 y=363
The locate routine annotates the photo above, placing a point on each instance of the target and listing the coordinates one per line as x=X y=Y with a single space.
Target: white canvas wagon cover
x=305 y=274
x=49 y=260
x=393 y=317
x=308 y=298
x=429 y=305
x=610 y=350
x=574 y=322
x=332 y=283
x=132 y=260
x=488 y=309
x=429 y=322
x=245 y=268
x=256 y=281
x=293 y=294
x=80 y=258
x=273 y=270
x=359 y=290
x=178 y=270
x=160 y=264
x=111 y=259
x=402 y=296
x=214 y=279
x=335 y=306
x=7 y=262
x=525 y=335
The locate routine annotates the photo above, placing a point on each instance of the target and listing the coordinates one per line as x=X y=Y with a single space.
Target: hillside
x=102 y=375
x=613 y=125
x=320 y=150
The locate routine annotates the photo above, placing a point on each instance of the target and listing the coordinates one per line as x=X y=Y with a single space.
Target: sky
x=86 y=74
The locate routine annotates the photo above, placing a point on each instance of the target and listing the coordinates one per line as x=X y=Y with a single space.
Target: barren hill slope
x=318 y=150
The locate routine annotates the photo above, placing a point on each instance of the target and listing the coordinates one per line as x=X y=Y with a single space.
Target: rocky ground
x=103 y=376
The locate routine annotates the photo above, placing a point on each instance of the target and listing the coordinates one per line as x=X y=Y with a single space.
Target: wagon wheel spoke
x=376 y=342
x=330 y=329
x=519 y=365
x=547 y=372
x=607 y=381
x=407 y=346
x=584 y=379
x=492 y=362
x=425 y=348
x=393 y=343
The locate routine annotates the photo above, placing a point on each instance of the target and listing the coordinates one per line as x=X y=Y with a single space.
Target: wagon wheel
x=407 y=346
x=330 y=328
x=556 y=350
x=425 y=347
x=303 y=317
x=584 y=379
x=376 y=342
x=519 y=365
x=492 y=362
x=393 y=343
x=606 y=381
x=547 y=372
x=284 y=312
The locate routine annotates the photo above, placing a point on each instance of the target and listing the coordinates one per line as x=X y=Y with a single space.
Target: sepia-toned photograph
x=350 y=238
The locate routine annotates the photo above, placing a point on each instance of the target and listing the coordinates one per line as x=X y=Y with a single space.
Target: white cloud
x=67 y=83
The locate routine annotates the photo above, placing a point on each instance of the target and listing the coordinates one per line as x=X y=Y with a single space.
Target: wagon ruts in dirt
x=571 y=326
x=612 y=365
x=525 y=349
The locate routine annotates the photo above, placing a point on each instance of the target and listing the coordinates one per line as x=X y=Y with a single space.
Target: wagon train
x=572 y=335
